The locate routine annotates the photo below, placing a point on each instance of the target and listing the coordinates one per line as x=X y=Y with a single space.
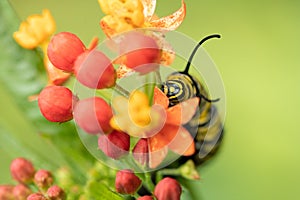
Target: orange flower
x=125 y=15
x=173 y=135
x=135 y=116
x=159 y=124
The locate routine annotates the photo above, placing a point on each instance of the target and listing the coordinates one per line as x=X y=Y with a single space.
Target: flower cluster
x=157 y=127
x=32 y=184
x=136 y=123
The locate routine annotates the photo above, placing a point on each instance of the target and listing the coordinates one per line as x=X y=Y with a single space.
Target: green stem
x=148 y=182
x=149 y=87
x=121 y=90
x=135 y=195
x=167 y=172
x=158 y=77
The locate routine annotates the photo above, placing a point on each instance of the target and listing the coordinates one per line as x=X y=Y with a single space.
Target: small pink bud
x=127 y=182
x=94 y=70
x=168 y=188
x=21 y=192
x=6 y=192
x=93 y=115
x=43 y=179
x=145 y=198
x=22 y=170
x=63 y=50
x=56 y=103
x=115 y=145
x=140 y=151
x=142 y=52
x=36 y=196
x=56 y=193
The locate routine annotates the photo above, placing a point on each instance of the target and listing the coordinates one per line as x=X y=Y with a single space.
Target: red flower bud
x=6 y=192
x=56 y=193
x=168 y=188
x=22 y=170
x=93 y=115
x=94 y=70
x=127 y=182
x=63 y=50
x=145 y=198
x=43 y=179
x=142 y=52
x=36 y=196
x=21 y=192
x=56 y=103
x=115 y=145
x=140 y=151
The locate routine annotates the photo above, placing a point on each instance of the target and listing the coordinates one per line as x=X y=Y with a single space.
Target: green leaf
x=187 y=192
x=97 y=190
x=23 y=130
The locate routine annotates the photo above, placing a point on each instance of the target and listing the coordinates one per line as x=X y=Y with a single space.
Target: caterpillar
x=206 y=125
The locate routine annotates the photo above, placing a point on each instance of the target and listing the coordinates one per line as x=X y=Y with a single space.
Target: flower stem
x=169 y=172
x=148 y=182
x=121 y=90
x=149 y=87
x=158 y=77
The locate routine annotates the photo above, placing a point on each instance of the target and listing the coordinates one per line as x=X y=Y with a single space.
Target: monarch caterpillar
x=205 y=126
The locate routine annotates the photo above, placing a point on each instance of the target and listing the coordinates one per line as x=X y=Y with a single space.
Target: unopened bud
x=56 y=103
x=114 y=145
x=168 y=188
x=43 y=179
x=145 y=198
x=36 y=196
x=63 y=50
x=95 y=70
x=127 y=182
x=21 y=192
x=189 y=171
x=141 y=51
x=140 y=151
x=93 y=115
x=6 y=192
x=22 y=170
x=56 y=193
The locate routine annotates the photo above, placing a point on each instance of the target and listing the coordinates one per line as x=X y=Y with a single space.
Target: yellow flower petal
x=170 y=22
x=149 y=8
x=122 y=15
x=135 y=117
x=35 y=30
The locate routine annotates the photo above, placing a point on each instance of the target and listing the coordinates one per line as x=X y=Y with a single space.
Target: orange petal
x=160 y=98
x=167 y=57
x=182 y=112
x=93 y=43
x=183 y=143
x=156 y=157
x=56 y=76
x=163 y=137
x=149 y=8
x=167 y=51
x=107 y=29
x=172 y=21
x=124 y=71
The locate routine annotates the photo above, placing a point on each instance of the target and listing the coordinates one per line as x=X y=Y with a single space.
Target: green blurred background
x=258 y=59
